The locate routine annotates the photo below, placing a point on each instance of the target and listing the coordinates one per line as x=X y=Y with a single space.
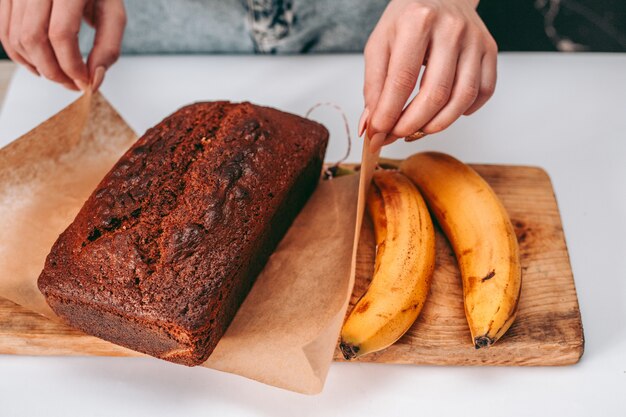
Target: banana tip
x=348 y=350
x=482 y=342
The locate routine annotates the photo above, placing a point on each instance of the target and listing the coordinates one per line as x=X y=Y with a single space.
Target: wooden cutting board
x=547 y=331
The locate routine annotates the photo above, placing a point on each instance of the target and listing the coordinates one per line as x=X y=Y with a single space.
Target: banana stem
x=482 y=342
x=349 y=351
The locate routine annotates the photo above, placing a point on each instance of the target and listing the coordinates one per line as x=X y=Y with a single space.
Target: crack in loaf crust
x=168 y=245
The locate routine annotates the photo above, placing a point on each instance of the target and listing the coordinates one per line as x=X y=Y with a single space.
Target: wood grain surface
x=547 y=331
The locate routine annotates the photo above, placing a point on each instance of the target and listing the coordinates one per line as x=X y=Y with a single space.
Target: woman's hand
x=450 y=39
x=42 y=35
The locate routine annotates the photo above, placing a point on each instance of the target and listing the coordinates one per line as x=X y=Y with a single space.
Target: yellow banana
x=482 y=236
x=405 y=260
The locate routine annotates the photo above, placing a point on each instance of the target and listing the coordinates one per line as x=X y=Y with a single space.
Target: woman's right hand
x=42 y=35
x=449 y=39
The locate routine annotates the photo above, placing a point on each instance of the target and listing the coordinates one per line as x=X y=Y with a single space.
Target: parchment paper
x=45 y=177
x=286 y=330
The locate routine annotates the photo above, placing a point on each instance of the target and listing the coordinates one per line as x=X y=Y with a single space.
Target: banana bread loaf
x=168 y=245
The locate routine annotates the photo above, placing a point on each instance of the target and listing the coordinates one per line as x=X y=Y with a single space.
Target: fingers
x=435 y=89
x=459 y=54
x=464 y=92
x=488 y=79
x=109 y=22
x=15 y=25
x=65 y=19
x=5 y=21
x=43 y=36
x=405 y=63
x=34 y=38
x=9 y=38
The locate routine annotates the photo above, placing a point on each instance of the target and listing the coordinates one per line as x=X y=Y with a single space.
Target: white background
x=565 y=113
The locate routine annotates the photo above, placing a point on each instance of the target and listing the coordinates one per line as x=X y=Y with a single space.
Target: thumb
x=109 y=21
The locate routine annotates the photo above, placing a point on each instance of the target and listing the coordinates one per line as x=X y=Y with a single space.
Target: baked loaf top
x=165 y=249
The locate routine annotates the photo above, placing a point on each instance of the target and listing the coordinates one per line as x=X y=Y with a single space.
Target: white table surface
x=566 y=113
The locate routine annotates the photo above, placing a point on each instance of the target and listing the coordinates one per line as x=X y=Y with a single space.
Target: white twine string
x=329 y=173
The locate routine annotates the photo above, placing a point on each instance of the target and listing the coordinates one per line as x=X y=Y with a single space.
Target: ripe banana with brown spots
x=482 y=236
x=405 y=260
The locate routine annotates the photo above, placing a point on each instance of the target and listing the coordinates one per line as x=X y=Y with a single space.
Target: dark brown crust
x=167 y=247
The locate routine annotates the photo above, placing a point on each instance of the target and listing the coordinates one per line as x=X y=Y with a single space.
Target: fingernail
x=98 y=77
x=363 y=121
x=377 y=142
x=33 y=71
x=415 y=136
